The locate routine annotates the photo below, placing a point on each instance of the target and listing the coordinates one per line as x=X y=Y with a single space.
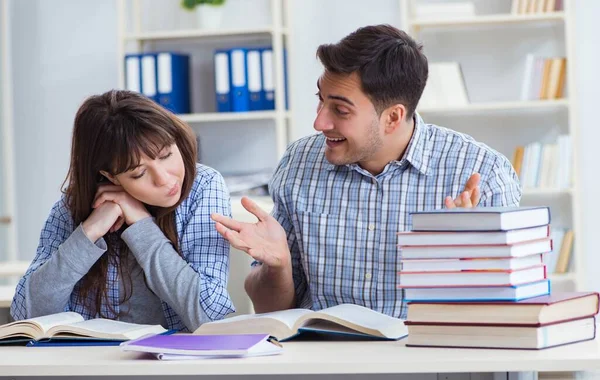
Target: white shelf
x=200 y=33
x=13 y=268
x=497 y=19
x=474 y=108
x=228 y=116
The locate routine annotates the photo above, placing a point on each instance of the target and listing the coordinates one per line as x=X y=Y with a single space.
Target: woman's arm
x=63 y=257
x=194 y=286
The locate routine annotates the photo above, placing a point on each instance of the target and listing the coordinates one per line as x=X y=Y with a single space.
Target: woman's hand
x=133 y=210
x=103 y=220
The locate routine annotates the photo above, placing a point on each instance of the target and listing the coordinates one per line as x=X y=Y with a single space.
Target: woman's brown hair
x=111 y=132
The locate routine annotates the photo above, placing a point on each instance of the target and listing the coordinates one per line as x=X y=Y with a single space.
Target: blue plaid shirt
x=341 y=221
x=202 y=247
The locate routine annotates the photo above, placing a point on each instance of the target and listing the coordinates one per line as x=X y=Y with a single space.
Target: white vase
x=209 y=16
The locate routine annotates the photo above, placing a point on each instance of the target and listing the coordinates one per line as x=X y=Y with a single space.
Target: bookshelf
x=137 y=34
x=491 y=47
x=8 y=233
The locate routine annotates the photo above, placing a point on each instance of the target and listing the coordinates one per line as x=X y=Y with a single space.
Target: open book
x=70 y=325
x=344 y=319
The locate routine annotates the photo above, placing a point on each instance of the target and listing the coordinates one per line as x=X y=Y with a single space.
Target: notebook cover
x=199 y=342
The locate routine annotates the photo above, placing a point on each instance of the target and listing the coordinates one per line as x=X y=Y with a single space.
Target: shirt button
x=368 y=276
x=371 y=227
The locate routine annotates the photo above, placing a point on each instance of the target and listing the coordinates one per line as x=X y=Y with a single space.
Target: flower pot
x=209 y=16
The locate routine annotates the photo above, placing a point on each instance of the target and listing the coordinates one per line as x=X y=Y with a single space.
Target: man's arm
x=270 y=289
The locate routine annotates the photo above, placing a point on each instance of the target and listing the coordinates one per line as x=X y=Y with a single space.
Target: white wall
x=65 y=50
x=588 y=92
x=315 y=22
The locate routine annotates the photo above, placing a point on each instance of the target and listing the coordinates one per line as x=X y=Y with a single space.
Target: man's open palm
x=469 y=197
x=264 y=240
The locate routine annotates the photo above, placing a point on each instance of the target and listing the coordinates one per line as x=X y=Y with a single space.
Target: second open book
x=344 y=319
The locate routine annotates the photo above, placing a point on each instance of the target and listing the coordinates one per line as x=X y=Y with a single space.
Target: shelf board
x=495 y=19
x=199 y=33
x=546 y=191
x=13 y=268
x=228 y=116
x=474 y=108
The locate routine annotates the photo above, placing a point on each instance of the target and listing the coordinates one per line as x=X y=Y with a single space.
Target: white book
x=474 y=278
x=533 y=165
x=445 y=87
x=472 y=238
x=437 y=265
x=528 y=74
x=478 y=293
x=70 y=324
x=527 y=248
x=480 y=219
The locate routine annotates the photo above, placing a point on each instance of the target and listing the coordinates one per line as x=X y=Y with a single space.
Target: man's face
x=347 y=118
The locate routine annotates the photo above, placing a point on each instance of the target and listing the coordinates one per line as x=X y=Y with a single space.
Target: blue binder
x=222 y=81
x=133 y=72
x=148 y=76
x=268 y=76
x=255 y=88
x=240 y=101
x=173 y=81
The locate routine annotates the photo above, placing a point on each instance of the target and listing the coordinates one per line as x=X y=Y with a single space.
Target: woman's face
x=155 y=182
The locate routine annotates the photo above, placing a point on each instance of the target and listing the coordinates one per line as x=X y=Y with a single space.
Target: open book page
x=278 y=323
x=360 y=319
x=105 y=328
x=36 y=327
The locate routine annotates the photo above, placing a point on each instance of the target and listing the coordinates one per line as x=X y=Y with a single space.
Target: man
x=340 y=196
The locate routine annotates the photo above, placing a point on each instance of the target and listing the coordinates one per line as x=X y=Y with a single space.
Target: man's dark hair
x=391 y=65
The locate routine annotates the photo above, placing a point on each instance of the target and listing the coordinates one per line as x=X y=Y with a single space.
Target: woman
x=131 y=238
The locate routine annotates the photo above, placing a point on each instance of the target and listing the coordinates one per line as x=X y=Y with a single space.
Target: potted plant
x=209 y=13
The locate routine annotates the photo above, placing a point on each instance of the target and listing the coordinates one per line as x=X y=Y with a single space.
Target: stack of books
x=476 y=278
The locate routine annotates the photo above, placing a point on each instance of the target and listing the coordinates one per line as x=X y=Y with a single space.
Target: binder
x=240 y=101
x=268 y=74
x=255 y=80
x=173 y=79
x=133 y=73
x=148 y=68
x=222 y=81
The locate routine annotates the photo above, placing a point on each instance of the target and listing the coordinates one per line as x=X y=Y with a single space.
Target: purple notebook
x=204 y=345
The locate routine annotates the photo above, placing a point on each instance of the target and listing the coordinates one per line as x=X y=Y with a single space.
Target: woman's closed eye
x=140 y=175
x=166 y=156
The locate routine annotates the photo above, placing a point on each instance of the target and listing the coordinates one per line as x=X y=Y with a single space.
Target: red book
x=533 y=312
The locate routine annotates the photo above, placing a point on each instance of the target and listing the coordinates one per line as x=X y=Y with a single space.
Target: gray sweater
x=153 y=256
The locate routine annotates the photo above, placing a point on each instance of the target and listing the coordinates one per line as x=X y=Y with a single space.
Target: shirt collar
x=416 y=154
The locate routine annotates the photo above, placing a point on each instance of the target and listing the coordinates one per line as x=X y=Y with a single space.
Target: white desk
x=300 y=358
